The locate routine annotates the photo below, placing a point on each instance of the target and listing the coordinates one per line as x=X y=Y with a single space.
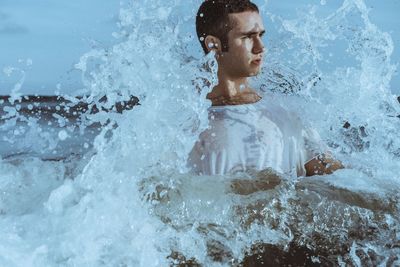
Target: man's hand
x=322 y=164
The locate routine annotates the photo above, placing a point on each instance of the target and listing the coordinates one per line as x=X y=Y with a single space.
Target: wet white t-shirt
x=254 y=136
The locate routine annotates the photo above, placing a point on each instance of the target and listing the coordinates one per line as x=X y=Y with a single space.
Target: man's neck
x=232 y=92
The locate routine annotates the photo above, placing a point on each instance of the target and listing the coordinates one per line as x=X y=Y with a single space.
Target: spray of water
x=131 y=202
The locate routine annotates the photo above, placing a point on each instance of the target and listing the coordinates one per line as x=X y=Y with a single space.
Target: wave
x=130 y=200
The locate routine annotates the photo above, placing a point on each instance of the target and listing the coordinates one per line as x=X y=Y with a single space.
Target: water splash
x=130 y=201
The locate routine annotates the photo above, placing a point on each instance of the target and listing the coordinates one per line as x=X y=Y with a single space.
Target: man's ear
x=213 y=44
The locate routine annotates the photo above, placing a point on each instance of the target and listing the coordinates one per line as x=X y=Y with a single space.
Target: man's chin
x=254 y=73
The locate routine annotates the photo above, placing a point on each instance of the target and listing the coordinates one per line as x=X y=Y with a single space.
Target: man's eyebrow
x=252 y=32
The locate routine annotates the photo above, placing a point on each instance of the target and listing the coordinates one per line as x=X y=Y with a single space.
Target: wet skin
x=242 y=60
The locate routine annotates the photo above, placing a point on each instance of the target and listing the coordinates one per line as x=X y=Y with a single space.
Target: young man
x=246 y=131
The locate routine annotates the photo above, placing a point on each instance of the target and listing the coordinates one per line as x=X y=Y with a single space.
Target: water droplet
x=62 y=135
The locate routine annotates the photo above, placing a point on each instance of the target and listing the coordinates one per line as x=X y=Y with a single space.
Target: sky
x=46 y=38
x=42 y=40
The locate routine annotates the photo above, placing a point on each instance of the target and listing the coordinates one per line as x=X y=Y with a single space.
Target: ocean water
x=88 y=184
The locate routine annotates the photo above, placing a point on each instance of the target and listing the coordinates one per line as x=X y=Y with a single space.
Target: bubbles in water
x=62 y=135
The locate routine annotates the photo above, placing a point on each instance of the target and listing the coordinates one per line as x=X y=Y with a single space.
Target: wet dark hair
x=212 y=19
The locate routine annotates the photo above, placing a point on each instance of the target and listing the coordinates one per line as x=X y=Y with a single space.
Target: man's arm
x=322 y=164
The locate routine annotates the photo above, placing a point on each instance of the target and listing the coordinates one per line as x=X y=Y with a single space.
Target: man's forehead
x=246 y=21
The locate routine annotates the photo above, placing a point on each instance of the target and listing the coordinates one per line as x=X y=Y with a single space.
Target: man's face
x=246 y=48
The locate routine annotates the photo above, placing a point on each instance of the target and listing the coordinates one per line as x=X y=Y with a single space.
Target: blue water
x=120 y=194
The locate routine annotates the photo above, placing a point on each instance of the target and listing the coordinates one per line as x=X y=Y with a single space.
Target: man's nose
x=258 y=47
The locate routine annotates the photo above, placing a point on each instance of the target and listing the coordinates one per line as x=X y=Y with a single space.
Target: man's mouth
x=256 y=62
